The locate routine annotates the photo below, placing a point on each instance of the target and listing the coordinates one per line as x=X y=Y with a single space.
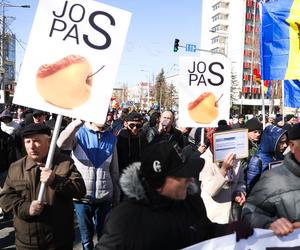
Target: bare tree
x=161 y=88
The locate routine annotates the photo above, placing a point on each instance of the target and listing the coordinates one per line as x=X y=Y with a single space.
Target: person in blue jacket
x=273 y=143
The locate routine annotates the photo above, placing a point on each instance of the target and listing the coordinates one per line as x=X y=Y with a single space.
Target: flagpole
x=263 y=112
x=262 y=91
x=282 y=98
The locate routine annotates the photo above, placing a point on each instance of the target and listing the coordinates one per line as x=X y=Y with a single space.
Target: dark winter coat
x=174 y=136
x=129 y=148
x=150 y=221
x=54 y=227
x=7 y=151
x=265 y=154
x=275 y=195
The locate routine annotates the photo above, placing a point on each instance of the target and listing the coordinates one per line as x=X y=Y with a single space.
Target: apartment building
x=232 y=28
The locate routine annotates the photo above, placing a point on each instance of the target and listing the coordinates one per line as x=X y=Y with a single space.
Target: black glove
x=242 y=230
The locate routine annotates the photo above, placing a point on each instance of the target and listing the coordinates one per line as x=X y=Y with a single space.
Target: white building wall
x=236 y=37
x=206 y=24
x=234 y=46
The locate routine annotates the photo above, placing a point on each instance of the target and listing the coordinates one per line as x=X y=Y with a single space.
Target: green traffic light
x=176 y=45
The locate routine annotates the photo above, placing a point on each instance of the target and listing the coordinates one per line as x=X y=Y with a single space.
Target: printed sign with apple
x=72 y=58
x=204 y=90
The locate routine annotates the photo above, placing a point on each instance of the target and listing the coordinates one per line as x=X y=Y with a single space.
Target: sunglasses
x=135 y=125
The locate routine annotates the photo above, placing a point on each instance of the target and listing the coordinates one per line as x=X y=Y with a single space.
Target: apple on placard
x=204 y=109
x=65 y=83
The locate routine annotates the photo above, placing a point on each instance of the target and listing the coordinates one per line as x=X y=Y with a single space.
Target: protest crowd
x=138 y=181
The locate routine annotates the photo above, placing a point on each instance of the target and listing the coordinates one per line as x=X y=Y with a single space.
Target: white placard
x=204 y=90
x=260 y=240
x=232 y=141
x=2 y=96
x=72 y=58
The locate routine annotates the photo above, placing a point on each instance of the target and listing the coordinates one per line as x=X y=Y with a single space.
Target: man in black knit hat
x=255 y=128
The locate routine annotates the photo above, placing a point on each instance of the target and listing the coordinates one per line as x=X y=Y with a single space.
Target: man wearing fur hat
x=160 y=213
x=273 y=201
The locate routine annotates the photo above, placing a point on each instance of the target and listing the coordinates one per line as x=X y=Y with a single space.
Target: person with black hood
x=272 y=146
x=130 y=140
x=160 y=213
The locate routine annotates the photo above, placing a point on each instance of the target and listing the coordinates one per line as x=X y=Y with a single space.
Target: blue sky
x=149 y=44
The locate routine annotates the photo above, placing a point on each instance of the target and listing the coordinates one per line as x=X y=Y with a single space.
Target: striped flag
x=267 y=83
x=280 y=40
x=256 y=75
x=267 y=88
x=292 y=93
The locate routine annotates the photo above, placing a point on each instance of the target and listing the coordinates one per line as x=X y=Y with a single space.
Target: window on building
x=220 y=16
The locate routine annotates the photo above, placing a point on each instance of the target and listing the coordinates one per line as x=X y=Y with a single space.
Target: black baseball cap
x=134 y=116
x=164 y=159
x=37 y=112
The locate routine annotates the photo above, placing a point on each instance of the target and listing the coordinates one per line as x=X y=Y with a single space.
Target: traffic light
x=176 y=45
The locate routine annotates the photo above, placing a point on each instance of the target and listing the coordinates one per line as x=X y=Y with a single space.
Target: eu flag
x=280 y=40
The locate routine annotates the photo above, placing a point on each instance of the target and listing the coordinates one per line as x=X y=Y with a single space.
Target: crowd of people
x=138 y=181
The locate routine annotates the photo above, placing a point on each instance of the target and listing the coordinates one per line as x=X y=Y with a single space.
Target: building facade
x=141 y=95
x=8 y=68
x=232 y=28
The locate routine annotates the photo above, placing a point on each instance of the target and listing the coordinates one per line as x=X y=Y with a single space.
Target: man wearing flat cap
x=161 y=212
x=47 y=224
x=272 y=203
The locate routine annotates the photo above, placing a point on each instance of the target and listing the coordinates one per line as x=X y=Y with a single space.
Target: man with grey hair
x=165 y=131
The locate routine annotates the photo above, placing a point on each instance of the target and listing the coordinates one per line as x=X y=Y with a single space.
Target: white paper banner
x=262 y=239
x=204 y=90
x=72 y=58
